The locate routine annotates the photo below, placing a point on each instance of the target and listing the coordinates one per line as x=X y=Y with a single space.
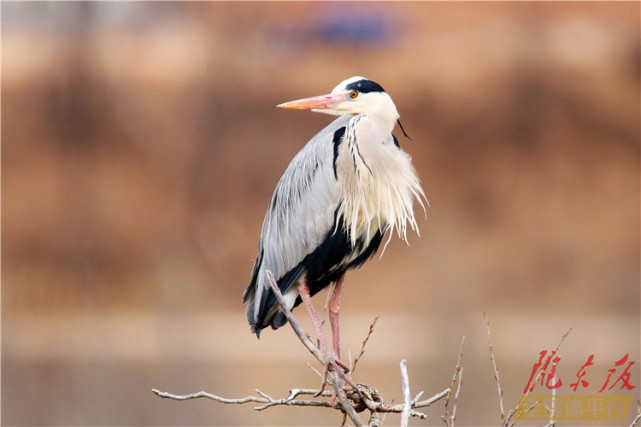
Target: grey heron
x=349 y=186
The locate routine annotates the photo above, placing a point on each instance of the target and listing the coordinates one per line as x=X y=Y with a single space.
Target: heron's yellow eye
x=353 y=94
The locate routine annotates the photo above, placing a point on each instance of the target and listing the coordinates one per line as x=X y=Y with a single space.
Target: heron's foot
x=333 y=363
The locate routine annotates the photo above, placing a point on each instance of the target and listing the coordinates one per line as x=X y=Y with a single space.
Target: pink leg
x=303 y=290
x=334 y=310
x=331 y=359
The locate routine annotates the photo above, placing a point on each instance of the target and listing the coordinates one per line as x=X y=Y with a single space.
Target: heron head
x=353 y=96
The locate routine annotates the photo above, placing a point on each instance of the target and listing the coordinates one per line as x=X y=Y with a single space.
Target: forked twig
x=369 y=333
x=456 y=379
x=266 y=400
x=459 y=382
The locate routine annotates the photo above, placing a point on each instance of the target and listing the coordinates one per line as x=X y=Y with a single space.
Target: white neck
x=381 y=110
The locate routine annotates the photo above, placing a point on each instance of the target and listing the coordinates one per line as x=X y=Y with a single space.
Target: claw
x=342 y=365
x=335 y=364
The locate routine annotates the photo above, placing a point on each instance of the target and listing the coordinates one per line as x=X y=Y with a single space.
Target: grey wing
x=299 y=217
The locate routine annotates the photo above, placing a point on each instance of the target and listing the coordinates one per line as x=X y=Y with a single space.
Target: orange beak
x=323 y=102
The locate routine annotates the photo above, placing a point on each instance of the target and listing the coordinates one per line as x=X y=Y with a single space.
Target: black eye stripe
x=365 y=86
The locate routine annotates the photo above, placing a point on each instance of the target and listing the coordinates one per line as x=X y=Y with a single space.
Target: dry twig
x=456 y=379
x=407 y=399
x=509 y=421
x=266 y=400
x=369 y=333
x=496 y=370
x=638 y=417
x=359 y=399
x=374 y=405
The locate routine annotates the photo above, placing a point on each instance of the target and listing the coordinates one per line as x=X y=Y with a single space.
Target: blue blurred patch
x=354 y=25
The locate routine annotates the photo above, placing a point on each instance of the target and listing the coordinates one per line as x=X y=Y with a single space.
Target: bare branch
x=294 y=392
x=508 y=421
x=369 y=333
x=265 y=399
x=407 y=399
x=376 y=408
x=203 y=394
x=418 y=396
x=375 y=403
x=458 y=373
x=552 y=410
x=342 y=397
x=374 y=419
x=265 y=395
x=638 y=417
x=357 y=398
x=496 y=371
x=421 y=404
x=458 y=390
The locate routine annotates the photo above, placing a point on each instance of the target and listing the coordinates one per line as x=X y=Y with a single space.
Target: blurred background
x=141 y=145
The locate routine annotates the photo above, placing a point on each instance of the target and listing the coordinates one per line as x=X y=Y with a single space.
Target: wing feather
x=300 y=215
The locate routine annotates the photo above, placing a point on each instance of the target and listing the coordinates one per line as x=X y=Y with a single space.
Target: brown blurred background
x=140 y=147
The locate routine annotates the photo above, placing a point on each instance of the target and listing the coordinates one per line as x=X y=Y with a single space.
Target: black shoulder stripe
x=338 y=138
